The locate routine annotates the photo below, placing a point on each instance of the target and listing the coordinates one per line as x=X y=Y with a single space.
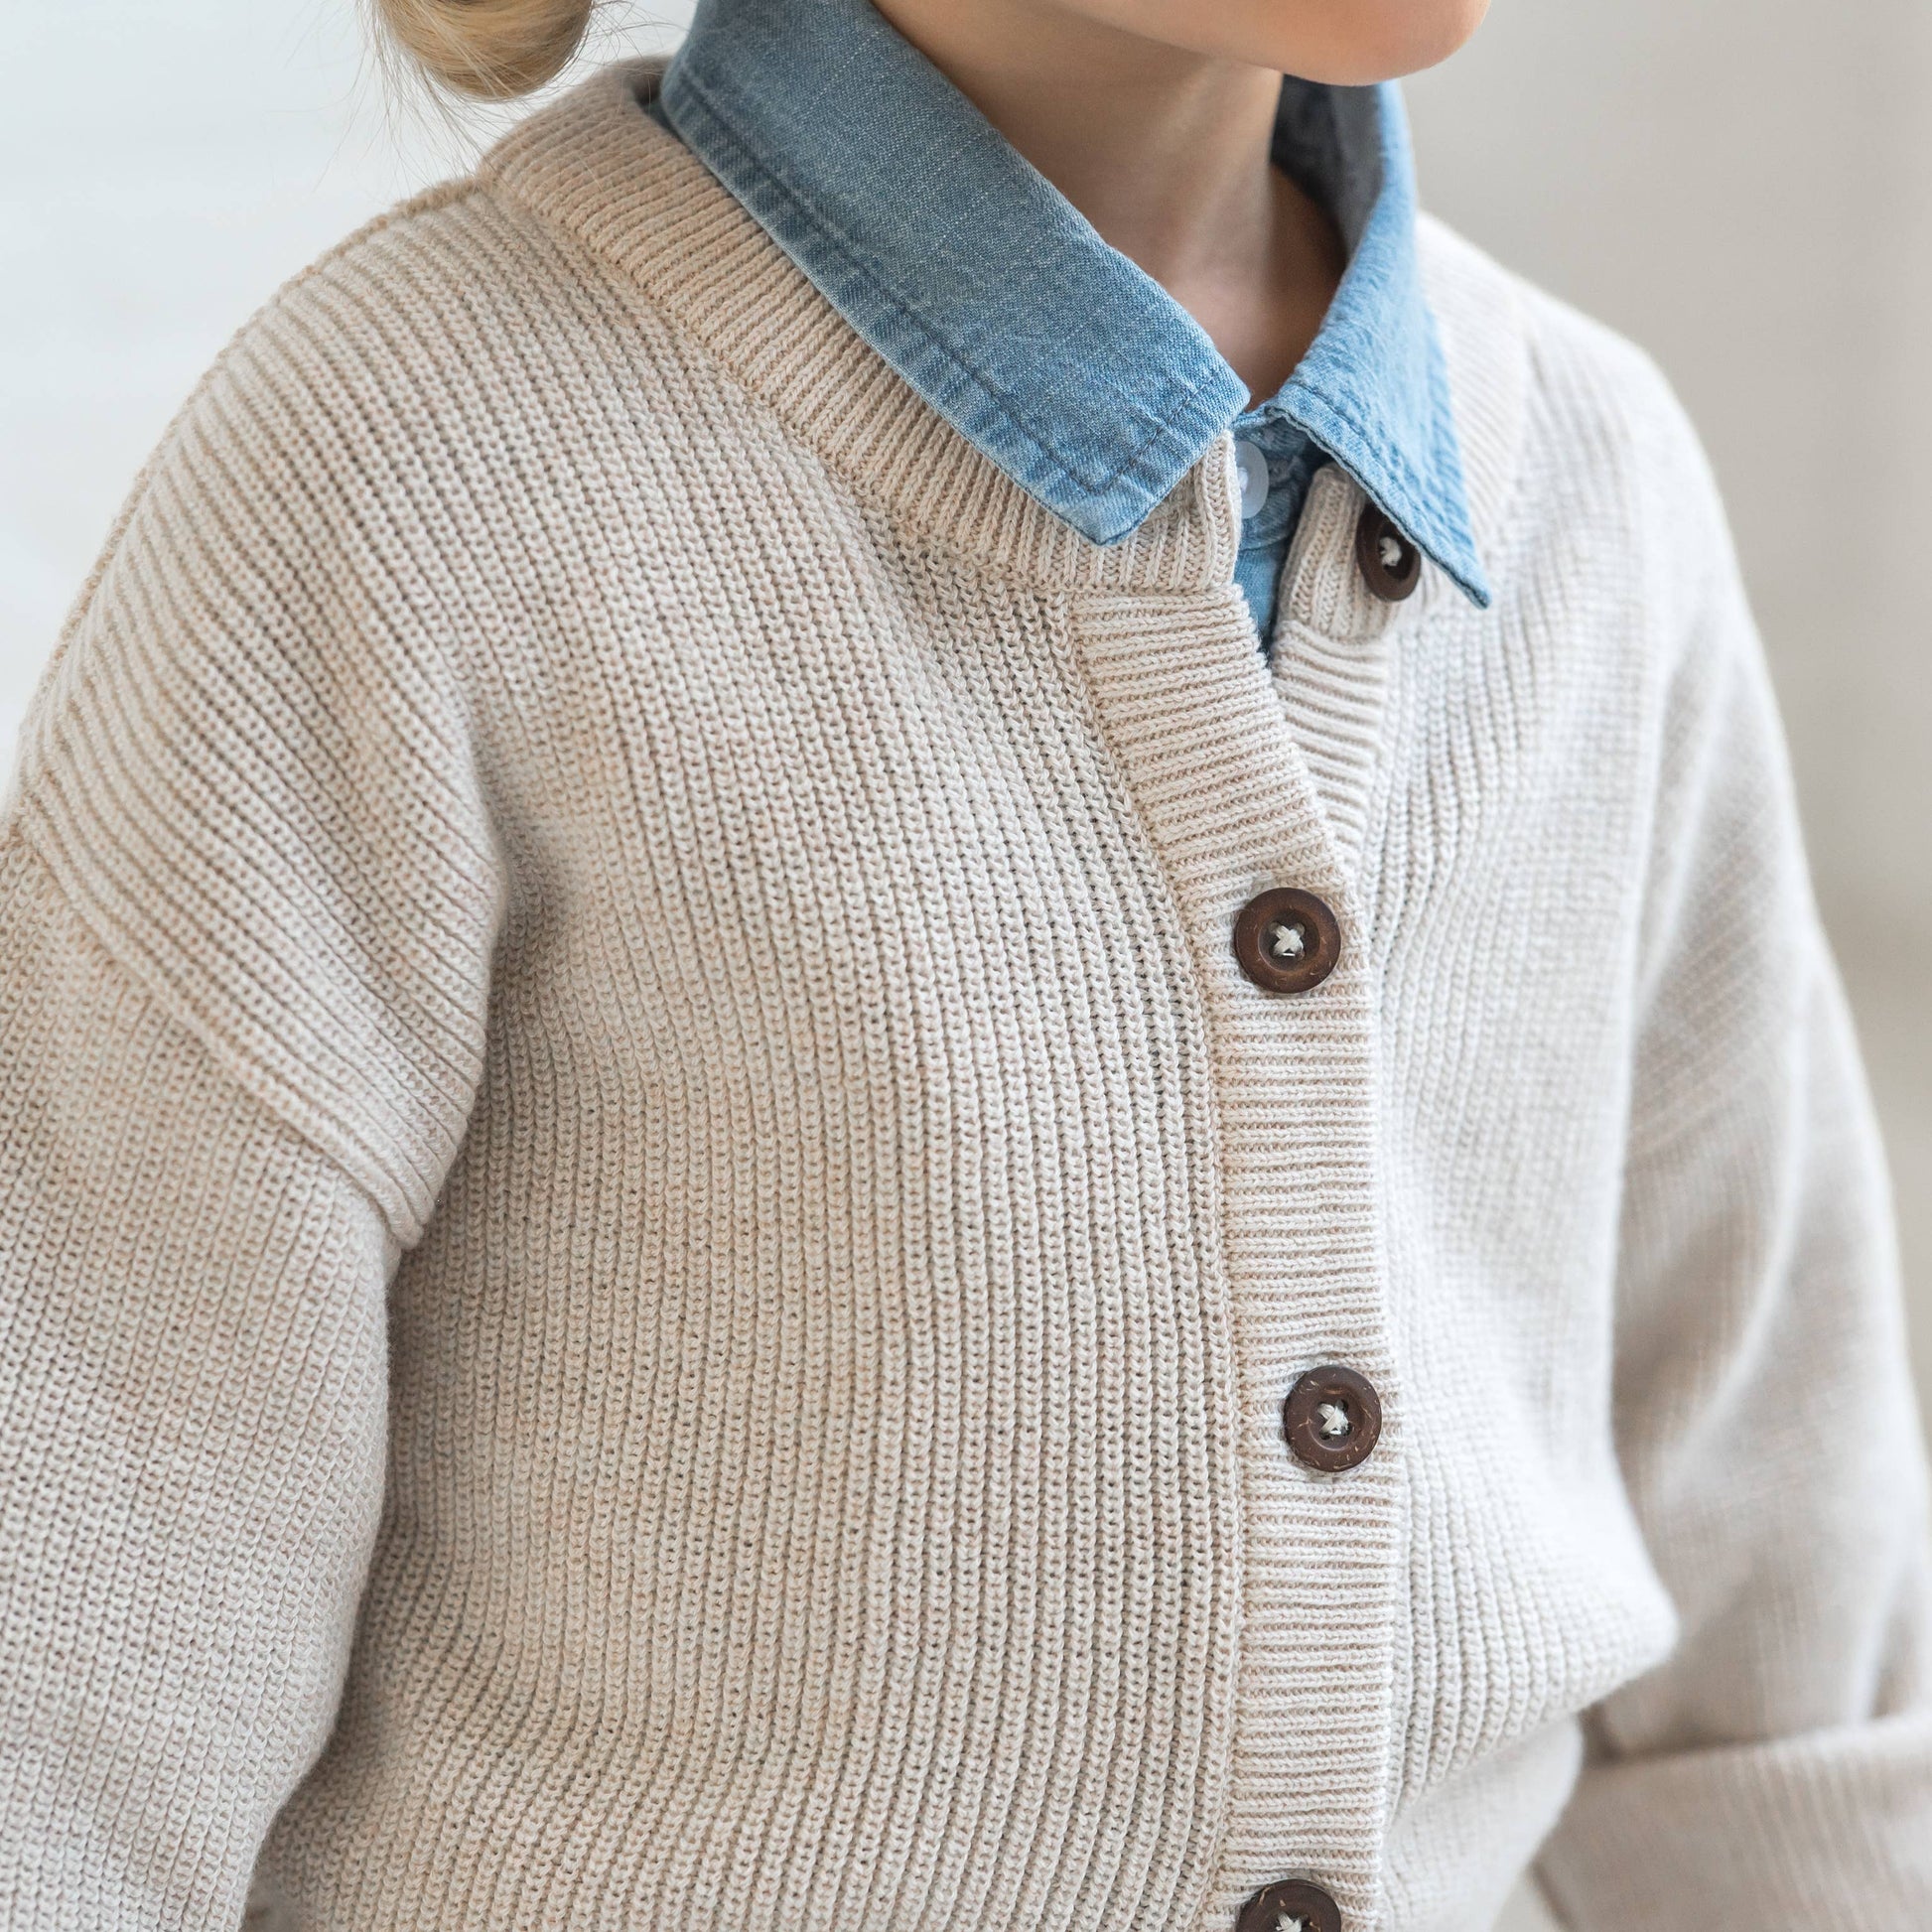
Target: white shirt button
x=1254 y=478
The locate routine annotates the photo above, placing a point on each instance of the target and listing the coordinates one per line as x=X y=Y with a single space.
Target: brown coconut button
x=1331 y=1418
x=1390 y=563
x=1290 y=1907
x=1286 y=940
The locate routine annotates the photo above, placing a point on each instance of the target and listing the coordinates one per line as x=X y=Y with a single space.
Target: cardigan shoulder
x=257 y=761
x=1583 y=450
x=251 y=762
x=1618 y=552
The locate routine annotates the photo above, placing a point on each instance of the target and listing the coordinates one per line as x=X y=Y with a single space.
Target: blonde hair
x=490 y=50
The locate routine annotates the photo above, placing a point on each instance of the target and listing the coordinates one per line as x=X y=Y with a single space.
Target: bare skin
x=1153 y=118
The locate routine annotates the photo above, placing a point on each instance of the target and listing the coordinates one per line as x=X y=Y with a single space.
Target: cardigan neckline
x=597 y=164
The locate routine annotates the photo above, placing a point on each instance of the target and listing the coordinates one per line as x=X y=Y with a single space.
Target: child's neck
x=1166 y=153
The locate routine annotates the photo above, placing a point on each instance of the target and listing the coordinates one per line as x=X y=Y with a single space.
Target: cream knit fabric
x=649 y=1244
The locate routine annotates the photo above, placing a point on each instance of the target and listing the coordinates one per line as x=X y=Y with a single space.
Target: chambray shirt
x=1063 y=361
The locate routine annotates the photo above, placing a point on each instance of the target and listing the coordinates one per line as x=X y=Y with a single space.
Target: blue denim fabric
x=1292 y=457
x=1072 y=368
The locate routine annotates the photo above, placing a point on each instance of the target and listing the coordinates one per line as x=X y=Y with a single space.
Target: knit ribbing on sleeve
x=249 y=765
x=1772 y=1772
x=193 y=1437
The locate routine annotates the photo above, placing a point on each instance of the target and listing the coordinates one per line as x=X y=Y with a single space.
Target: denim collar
x=1054 y=353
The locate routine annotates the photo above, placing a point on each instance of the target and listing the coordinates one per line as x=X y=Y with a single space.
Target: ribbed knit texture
x=649 y=1244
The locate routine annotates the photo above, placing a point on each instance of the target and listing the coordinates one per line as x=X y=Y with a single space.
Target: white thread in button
x=1254 y=479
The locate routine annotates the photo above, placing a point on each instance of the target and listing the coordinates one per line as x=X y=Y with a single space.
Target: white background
x=1745 y=185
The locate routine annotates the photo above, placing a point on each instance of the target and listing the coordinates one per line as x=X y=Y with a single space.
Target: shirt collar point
x=1452 y=551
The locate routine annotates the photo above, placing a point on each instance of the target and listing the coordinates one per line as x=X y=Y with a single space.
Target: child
x=909 y=1024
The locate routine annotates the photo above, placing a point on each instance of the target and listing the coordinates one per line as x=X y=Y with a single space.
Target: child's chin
x=1357 y=41
x=1347 y=42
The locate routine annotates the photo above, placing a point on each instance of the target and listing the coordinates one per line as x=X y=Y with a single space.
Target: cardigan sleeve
x=250 y=763
x=1775 y=1772
x=192 y=1440
x=250 y=895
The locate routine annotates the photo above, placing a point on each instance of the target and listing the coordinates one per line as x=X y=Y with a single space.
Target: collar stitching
x=1162 y=435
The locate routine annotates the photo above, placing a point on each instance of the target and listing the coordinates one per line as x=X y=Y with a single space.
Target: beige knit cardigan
x=649 y=1244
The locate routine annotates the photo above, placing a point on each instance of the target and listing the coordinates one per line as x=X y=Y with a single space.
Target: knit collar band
x=1085 y=382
